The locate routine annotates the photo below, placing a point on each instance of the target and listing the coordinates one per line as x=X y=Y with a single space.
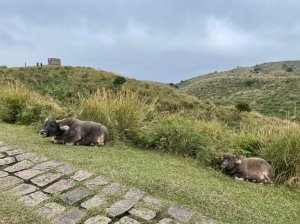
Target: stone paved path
x=62 y=193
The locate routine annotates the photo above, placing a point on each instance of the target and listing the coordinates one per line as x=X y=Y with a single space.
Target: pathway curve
x=64 y=194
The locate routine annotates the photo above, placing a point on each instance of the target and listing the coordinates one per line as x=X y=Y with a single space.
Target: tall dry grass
x=123 y=112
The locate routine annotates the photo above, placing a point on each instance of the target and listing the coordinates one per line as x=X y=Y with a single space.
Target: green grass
x=172 y=178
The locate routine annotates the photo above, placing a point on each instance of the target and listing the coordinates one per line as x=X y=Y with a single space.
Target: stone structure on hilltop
x=54 y=61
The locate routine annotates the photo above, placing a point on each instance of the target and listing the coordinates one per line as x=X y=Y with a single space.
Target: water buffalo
x=71 y=131
x=252 y=168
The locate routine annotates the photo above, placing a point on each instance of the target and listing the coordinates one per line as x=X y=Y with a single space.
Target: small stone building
x=54 y=61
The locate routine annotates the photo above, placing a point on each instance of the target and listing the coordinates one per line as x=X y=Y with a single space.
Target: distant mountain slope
x=270 y=88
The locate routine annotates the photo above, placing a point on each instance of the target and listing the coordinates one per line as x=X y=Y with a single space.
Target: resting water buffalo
x=252 y=169
x=71 y=131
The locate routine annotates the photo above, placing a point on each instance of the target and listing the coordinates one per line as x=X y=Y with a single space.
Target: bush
x=21 y=105
x=284 y=154
x=119 y=80
x=246 y=145
x=181 y=136
x=123 y=113
x=242 y=106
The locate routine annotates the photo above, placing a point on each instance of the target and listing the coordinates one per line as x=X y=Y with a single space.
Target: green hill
x=270 y=88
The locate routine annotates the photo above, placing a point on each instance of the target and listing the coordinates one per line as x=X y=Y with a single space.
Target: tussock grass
x=124 y=113
x=22 y=105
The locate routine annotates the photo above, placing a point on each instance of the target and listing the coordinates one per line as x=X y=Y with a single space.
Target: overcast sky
x=159 y=40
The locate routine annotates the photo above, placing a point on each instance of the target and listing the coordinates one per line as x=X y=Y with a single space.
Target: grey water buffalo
x=71 y=131
x=252 y=168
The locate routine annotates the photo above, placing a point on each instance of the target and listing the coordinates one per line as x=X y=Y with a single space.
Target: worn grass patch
x=171 y=178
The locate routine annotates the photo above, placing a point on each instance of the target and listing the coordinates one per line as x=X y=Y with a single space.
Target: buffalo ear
x=64 y=128
x=47 y=119
x=238 y=161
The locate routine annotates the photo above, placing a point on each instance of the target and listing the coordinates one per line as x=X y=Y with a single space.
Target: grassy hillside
x=172 y=178
x=270 y=88
x=66 y=84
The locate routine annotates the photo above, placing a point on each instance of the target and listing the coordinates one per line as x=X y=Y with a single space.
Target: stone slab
x=24 y=189
x=127 y=220
x=95 y=201
x=33 y=199
x=9 y=181
x=134 y=194
x=180 y=213
x=152 y=202
x=98 y=220
x=47 y=165
x=112 y=189
x=3 y=174
x=67 y=169
x=51 y=210
x=32 y=157
x=143 y=213
x=71 y=217
x=81 y=175
x=46 y=179
x=14 y=152
x=25 y=164
x=97 y=182
x=7 y=161
x=167 y=221
x=60 y=186
x=120 y=207
x=75 y=196
x=28 y=174
x=2 y=155
x=6 y=148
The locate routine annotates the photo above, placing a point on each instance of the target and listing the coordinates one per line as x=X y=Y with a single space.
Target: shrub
x=242 y=106
x=247 y=145
x=119 y=80
x=123 y=112
x=284 y=154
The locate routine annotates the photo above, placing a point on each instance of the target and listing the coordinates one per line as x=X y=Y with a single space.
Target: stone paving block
x=75 y=196
x=143 y=213
x=167 y=221
x=9 y=181
x=95 y=201
x=14 y=152
x=28 y=174
x=120 y=207
x=98 y=220
x=67 y=169
x=25 y=164
x=60 y=186
x=33 y=199
x=3 y=174
x=96 y=182
x=112 y=189
x=134 y=194
x=47 y=165
x=6 y=148
x=180 y=213
x=7 y=161
x=71 y=217
x=127 y=220
x=152 y=202
x=51 y=210
x=32 y=157
x=46 y=179
x=24 y=189
x=81 y=175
